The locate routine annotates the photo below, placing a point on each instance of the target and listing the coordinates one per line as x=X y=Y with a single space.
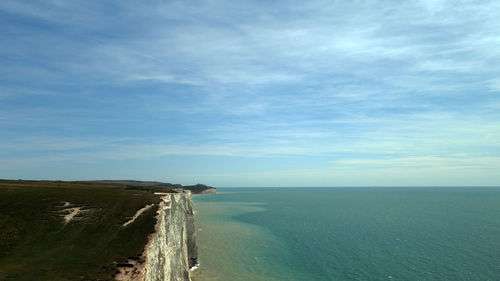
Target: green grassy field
x=37 y=244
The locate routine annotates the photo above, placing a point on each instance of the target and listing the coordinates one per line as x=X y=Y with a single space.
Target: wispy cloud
x=349 y=81
x=429 y=162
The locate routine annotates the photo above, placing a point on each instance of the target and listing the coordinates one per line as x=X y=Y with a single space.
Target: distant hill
x=156 y=185
x=200 y=188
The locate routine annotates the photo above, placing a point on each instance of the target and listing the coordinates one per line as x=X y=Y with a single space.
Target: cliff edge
x=171 y=251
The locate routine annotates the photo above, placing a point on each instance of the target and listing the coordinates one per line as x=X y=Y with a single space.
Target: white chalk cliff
x=172 y=250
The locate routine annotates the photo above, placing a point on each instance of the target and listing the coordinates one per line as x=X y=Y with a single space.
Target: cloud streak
x=343 y=81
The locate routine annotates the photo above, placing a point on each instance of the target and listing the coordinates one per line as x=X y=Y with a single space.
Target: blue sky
x=251 y=93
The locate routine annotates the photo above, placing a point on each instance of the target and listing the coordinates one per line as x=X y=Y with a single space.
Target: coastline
x=171 y=251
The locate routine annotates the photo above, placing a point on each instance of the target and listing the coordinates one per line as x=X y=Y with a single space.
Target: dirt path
x=137 y=214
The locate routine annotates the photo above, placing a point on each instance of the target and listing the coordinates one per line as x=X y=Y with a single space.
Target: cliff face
x=172 y=251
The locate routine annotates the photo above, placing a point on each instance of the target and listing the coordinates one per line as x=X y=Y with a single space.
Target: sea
x=372 y=233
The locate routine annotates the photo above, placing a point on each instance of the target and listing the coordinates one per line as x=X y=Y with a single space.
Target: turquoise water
x=349 y=234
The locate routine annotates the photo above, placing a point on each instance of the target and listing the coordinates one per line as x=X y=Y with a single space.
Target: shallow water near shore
x=349 y=234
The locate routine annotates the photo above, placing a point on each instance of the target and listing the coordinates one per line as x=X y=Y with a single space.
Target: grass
x=36 y=244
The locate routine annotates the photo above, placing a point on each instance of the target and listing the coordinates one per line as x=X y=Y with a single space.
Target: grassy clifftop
x=153 y=185
x=39 y=240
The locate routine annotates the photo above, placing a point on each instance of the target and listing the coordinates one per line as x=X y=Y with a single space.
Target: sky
x=251 y=93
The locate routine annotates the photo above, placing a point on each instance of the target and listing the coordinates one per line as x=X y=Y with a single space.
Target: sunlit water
x=349 y=234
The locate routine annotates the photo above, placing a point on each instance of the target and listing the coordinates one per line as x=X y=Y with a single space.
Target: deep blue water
x=350 y=234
